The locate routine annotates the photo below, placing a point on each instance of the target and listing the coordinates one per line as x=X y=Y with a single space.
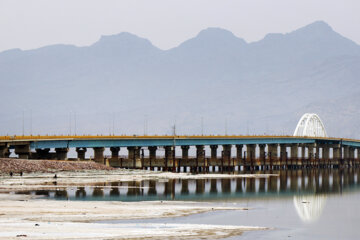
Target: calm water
x=308 y=204
x=289 y=183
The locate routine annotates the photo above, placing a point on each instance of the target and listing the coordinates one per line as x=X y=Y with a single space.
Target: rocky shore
x=8 y=165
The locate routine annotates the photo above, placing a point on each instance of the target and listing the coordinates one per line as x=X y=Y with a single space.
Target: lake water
x=306 y=204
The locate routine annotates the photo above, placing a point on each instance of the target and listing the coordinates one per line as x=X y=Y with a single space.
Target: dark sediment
x=8 y=165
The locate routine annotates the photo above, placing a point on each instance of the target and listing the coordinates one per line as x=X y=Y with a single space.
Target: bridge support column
x=325 y=155
x=152 y=156
x=7 y=153
x=311 y=154
x=137 y=163
x=114 y=161
x=200 y=157
x=23 y=151
x=283 y=155
x=134 y=157
x=81 y=153
x=303 y=152
x=185 y=152
x=346 y=155
x=262 y=155
x=115 y=152
x=294 y=151
x=213 y=159
x=168 y=157
x=185 y=156
x=61 y=153
x=42 y=153
x=4 y=149
x=351 y=156
x=227 y=157
x=273 y=155
x=317 y=152
x=336 y=155
x=99 y=154
x=250 y=155
x=346 y=150
x=239 y=155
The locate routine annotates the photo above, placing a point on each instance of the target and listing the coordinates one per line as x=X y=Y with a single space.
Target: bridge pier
x=200 y=157
x=226 y=157
x=152 y=156
x=346 y=150
x=185 y=157
x=4 y=151
x=61 y=153
x=114 y=161
x=336 y=156
x=294 y=151
x=303 y=155
x=43 y=153
x=351 y=156
x=239 y=156
x=133 y=157
x=250 y=158
x=325 y=155
x=262 y=156
x=185 y=152
x=283 y=155
x=213 y=156
x=23 y=151
x=168 y=158
x=81 y=153
x=99 y=154
x=312 y=156
x=115 y=153
x=273 y=155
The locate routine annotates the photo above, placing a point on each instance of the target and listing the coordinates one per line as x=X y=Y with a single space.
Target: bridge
x=309 y=147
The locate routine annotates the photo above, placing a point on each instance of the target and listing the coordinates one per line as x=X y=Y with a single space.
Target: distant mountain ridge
x=262 y=86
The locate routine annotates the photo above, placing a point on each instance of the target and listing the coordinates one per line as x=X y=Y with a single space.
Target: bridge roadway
x=251 y=151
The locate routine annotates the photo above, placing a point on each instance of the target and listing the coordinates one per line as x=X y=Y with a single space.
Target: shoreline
x=42 y=181
x=17 y=166
x=31 y=218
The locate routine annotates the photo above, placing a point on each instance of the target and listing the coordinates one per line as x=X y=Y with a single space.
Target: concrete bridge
x=309 y=147
x=252 y=152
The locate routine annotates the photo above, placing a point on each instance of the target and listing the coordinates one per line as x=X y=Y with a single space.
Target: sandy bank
x=119 y=231
x=88 y=211
x=48 y=219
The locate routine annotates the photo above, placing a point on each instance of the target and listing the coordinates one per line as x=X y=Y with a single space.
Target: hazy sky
x=30 y=24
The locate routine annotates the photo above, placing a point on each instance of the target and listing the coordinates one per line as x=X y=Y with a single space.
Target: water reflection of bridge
x=311 y=181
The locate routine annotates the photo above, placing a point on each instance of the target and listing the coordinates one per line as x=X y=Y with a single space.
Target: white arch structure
x=310 y=125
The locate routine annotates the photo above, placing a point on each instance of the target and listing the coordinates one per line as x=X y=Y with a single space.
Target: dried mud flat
x=26 y=217
x=23 y=217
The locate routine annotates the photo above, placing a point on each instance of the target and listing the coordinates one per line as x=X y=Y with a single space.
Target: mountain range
x=214 y=83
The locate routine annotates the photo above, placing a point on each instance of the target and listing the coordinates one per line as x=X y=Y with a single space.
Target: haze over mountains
x=259 y=87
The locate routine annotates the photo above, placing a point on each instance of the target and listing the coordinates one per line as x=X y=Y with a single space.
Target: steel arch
x=310 y=125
